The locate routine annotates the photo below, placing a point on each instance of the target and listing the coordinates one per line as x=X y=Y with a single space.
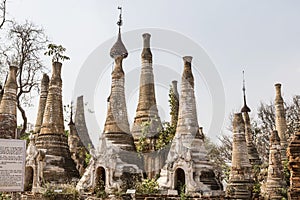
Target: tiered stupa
x=275 y=180
x=59 y=166
x=240 y=181
x=187 y=163
x=8 y=106
x=115 y=161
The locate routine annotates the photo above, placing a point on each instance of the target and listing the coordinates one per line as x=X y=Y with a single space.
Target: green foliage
x=4 y=196
x=256 y=188
x=182 y=194
x=286 y=171
x=68 y=191
x=142 y=143
x=174 y=106
x=25 y=136
x=166 y=136
x=100 y=188
x=87 y=159
x=147 y=186
x=56 y=51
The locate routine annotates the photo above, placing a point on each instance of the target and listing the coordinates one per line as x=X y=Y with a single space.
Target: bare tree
x=26 y=42
x=2 y=13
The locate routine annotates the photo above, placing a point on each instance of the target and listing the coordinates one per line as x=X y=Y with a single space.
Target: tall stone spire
x=252 y=151
x=175 y=102
x=293 y=153
x=280 y=121
x=240 y=182
x=42 y=103
x=59 y=166
x=8 y=106
x=147 y=109
x=187 y=161
x=81 y=124
x=116 y=127
x=275 y=180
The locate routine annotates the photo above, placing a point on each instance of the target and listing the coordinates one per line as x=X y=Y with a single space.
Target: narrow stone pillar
x=240 y=182
x=8 y=106
x=1 y=93
x=275 y=180
x=81 y=124
x=147 y=109
x=175 y=109
x=293 y=153
x=59 y=166
x=42 y=103
x=280 y=121
x=116 y=126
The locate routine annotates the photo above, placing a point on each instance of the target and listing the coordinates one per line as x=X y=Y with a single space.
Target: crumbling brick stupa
x=187 y=163
x=59 y=166
x=8 y=106
x=240 y=181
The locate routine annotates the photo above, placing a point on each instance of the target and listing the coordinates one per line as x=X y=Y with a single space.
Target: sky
x=260 y=37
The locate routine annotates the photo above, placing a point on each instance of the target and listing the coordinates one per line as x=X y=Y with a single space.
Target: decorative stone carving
x=8 y=106
x=240 y=181
x=280 y=121
x=187 y=161
x=293 y=153
x=42 y=103
x=59 y=166
x=275 y=180
x=81 y=124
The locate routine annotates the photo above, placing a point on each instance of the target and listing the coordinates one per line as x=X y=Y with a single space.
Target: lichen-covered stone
x=240 y=181
x=187 y=155
x=8 y=106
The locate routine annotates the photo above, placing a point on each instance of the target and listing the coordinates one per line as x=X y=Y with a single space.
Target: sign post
x=12 y=165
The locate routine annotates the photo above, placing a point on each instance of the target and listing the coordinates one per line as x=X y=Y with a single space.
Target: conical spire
x=147 y=109
x=119 y=49
x=42 y=103
x=275 y=180
x=280 y=120
x=175 y=101
x=116 y=128
x=8 y=106
x=187 y=150
x=245 y=107
x=59 y=166
x=239 y=185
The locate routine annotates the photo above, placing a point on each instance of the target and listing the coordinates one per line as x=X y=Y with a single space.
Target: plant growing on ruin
x=142 y=143
x=147 y=186
x=57 y=53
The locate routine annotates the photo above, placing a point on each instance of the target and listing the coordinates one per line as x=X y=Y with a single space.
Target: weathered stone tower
x=252 y=151
x=115 y=160
x=280 y=121
x=293 y=153
x=42 y=103
x=81 y=124
x=275 y=180
x=59 y=166
x=240 y=182
x=77 y=149
x=147 y=109
x=187 y=162
x=8 y=106
x=175 y=109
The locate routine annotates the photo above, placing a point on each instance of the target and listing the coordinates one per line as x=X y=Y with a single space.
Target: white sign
x=130 y=191
x=12 y=165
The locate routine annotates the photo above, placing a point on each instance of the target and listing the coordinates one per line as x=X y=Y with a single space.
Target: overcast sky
x=260 y=37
